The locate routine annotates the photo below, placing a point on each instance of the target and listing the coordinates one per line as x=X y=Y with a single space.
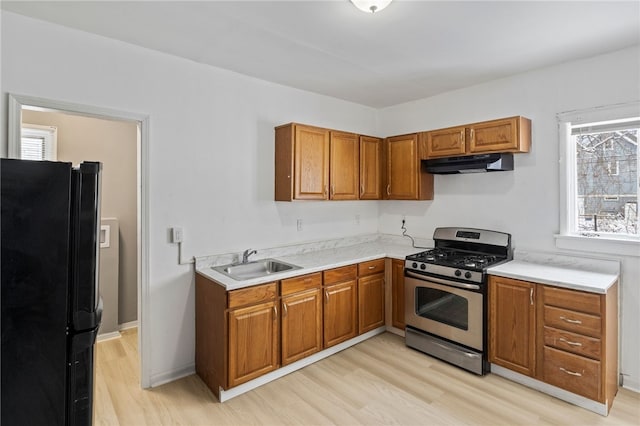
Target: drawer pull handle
x=531 y=296
x=571 y=373
x=284 y=310
x=570 y=321
x=275 y=313
x=326 y=296
x=562 y=339
x=372 y=267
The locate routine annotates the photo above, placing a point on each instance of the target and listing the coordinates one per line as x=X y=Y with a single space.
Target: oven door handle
x=441 y=281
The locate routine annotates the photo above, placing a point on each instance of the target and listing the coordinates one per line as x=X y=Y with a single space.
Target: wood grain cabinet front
x=237 y=333
x=371 y=295
x=370 y=168
x=397 y=294
x=405 y=179
x=340 y=305
x=578 y=341
x=511 y=134
x=253 y=342
x=512 y=322
x=301 y=313
x=301 y=162
x=563 y=337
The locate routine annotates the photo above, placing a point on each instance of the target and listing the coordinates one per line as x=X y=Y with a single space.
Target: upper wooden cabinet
x=344 y=170
x=404 y=178
x=511 y=134
x=301 y=163
x=312 y=163
x=370 y=168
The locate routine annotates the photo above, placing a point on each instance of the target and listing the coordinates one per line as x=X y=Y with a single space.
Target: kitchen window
x=600 y=179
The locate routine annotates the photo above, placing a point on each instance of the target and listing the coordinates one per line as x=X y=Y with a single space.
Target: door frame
x=16 y=103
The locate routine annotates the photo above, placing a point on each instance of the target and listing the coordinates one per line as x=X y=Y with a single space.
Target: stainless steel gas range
x=446 y=295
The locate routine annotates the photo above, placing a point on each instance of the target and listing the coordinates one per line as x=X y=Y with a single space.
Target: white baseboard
x=128 y=325
x=169 y=376
x=632 y=385
x=108 y=336
x=226 y=395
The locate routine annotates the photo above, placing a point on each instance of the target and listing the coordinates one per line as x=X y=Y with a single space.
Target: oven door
x=443 y=310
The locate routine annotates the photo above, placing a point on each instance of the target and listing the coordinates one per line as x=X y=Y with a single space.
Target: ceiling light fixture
x=370 y=6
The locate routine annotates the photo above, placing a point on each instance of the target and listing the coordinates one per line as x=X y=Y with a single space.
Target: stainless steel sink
x=256 y=269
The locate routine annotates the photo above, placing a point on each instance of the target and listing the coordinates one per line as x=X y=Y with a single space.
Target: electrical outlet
x=357 y=219
x=177 y=235
x=299 y=224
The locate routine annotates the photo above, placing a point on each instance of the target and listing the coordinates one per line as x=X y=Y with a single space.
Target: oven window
x=443 y=307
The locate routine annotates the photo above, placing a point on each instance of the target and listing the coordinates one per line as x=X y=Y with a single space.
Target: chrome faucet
x=246 y=254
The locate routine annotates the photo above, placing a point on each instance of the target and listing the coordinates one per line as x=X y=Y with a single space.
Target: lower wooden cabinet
x=243 y=334
x=340 y=312
x=371 y=295
x=512 y=325
x=301 y=325
x=253 y=342
x=397 y=294
x=562 y=337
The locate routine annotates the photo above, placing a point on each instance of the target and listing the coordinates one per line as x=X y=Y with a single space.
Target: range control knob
x=423 y=266
x=414 y=265
x=458 y=272
x=467 y=275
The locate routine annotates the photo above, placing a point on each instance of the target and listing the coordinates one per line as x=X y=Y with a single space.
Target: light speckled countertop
x=576 y=273
x=368 y=248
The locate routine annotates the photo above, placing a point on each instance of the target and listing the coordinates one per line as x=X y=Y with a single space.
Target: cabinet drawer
x=576 y=322
x=572 y=342
x=572 y=299
x=370 y=267
x=339 y=275
x=294 y=285
x=572 y=372
x=250 y=295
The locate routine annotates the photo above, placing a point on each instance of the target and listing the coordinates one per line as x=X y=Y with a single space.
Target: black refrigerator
x=51 y=308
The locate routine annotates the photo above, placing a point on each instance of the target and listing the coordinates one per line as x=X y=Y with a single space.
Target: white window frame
x=567 y=238
x=48 y=133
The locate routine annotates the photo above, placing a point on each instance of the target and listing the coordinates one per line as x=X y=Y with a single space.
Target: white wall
x=211 y=155
x=524 y=202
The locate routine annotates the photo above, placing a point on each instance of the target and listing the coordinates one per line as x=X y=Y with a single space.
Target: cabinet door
x=340 y=313
x=512 y=324
x=253 y=342
x=494 y=136
x=344 y=175
x=301 y=325
x=370 y=302
x=445 y=142
x=402 y=167
x=397 y=294
x=370 y=168
x=311 y=157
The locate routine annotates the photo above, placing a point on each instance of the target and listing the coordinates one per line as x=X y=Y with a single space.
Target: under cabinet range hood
x=470 y=164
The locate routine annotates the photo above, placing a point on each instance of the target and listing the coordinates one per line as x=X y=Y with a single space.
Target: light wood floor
x=379 y=381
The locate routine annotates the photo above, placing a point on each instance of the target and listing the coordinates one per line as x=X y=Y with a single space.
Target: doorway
x=28 y=110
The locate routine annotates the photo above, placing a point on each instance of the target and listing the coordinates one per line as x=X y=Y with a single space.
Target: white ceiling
x=410 y=50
